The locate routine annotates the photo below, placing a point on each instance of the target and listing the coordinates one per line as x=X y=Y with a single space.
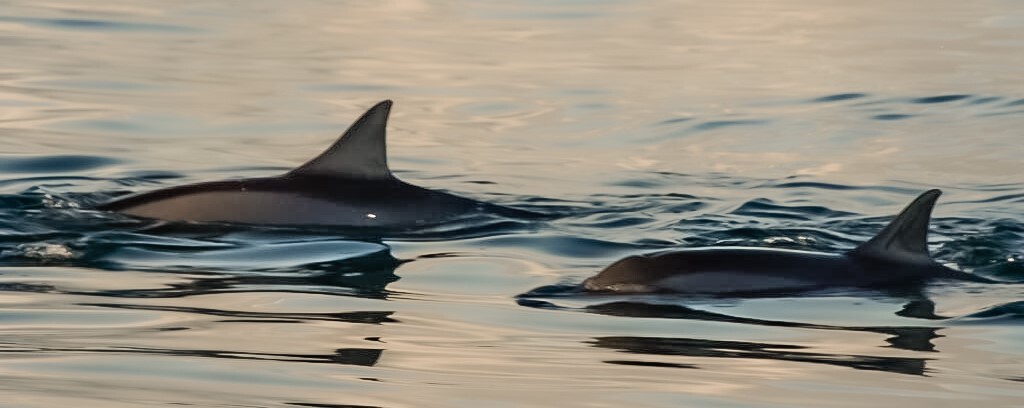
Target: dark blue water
x=626 y=128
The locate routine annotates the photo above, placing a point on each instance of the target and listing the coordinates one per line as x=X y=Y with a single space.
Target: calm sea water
x=633 y=126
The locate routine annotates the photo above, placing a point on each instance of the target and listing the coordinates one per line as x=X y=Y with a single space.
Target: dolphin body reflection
x=896 y=256
x=349 y=185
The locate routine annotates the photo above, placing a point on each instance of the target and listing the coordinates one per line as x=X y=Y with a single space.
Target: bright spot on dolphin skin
x=371 y=215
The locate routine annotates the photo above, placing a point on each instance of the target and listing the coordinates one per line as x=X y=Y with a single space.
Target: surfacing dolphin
x=349 y=185
x=896 y=256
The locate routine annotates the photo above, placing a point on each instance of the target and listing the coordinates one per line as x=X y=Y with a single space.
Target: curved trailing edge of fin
x=907 y=234
x=361 y=152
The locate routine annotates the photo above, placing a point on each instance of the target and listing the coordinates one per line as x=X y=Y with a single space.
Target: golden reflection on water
x=232 y=67
x=265 y=347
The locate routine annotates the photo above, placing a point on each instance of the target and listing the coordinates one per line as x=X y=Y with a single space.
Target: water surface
x=631 y=127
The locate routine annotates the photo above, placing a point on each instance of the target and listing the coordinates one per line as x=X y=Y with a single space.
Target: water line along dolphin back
x=898 y=255
x=349 y=185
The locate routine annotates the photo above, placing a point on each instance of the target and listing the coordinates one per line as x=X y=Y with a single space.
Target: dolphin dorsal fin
x=907 y=234
x=359 y=153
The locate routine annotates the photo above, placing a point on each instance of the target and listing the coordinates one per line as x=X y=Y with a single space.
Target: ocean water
x=630 y=126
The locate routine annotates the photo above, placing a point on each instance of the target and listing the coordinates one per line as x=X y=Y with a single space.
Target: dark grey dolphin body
x=349 y=184
x=898 y=255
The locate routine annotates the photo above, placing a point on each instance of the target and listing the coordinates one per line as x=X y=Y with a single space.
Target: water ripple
x=99 y=25
x=839 y=97
x=940 y=99
x=1005 y=313
x=54 y=164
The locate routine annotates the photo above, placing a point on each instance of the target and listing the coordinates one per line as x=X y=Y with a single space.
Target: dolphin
x=896 y=256
x=347 y=185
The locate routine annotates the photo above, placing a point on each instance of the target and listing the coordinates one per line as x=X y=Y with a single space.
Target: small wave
x=674 y=121
x=839 y=97
x=98 y=25
x=986 y=99
x=940 y=99
x=892 y=116
x=718 y=124
x=817 y=185
x=586 y=248
x=1019 y=102
x=54 y=164
x=1012 y=312
x=764 y=208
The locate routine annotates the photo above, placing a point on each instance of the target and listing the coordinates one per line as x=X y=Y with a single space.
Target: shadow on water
x=337 y=268
x=364 y=275
x=689 y=347
x=911 y=338
x=902 y=337
x=917 y=339
x=209 y=258
x=346 y=356
x=349 y=280
x=908 y=338
x=363 y=317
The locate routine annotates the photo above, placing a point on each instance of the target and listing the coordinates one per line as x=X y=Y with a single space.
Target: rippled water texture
x=629 y=126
